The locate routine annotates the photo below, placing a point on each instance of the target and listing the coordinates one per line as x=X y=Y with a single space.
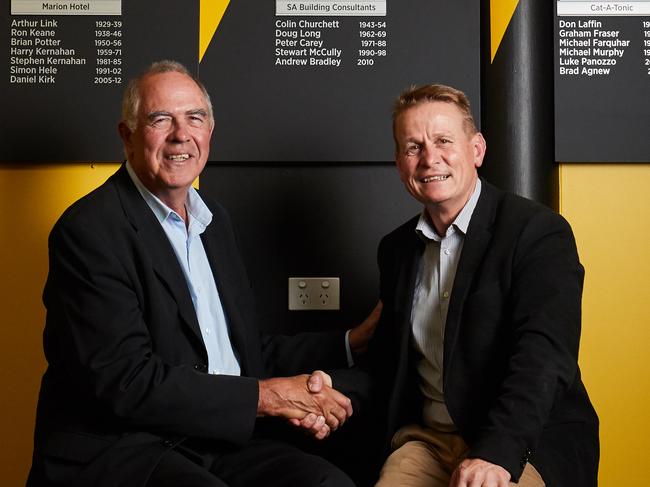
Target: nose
x=179 y=132
x=429 y=155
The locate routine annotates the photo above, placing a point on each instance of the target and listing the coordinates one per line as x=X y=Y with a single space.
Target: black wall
x=325 y=220
x=311 y=221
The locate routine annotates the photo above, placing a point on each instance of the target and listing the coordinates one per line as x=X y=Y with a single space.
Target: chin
x=176 y=183
x=435 y=197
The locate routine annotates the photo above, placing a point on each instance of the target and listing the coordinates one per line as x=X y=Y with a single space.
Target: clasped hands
x=307 y=401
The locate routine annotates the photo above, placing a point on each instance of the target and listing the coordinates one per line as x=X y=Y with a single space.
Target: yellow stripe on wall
x=501 y=12
x=32 y=197
x=609 y=209
x=211 y=13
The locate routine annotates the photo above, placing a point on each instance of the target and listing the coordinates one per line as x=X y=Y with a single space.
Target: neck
x=441 y=219
x=442 y=216
x=176 y=200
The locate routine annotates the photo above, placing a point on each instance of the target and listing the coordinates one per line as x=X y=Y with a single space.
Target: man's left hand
x=313 y=424
x=474 y=472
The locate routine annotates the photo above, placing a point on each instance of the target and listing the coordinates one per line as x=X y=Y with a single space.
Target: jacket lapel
x=475 y=245
x=154 y=239
x=406 y=288
x=412 y=249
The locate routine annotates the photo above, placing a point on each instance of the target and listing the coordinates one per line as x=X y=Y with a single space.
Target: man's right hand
x=292 y=399
x=475 y=472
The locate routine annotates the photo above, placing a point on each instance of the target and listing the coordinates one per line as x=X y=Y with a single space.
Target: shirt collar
x=196 y=207
x=427 y=231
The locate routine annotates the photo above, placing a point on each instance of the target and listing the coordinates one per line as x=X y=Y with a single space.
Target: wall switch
x=314 y=293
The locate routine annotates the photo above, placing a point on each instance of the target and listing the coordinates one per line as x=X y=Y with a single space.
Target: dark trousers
x=261 y=462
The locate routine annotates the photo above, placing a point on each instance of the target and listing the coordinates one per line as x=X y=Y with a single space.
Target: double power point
x=314 y=293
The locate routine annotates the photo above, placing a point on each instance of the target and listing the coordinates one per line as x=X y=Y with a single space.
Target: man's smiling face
x=169 y=147
x=437 y=156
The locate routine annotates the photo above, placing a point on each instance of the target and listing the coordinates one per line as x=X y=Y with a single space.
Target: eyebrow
x=197 y=111
x=162 y=113
x=157 y=114
x=412 y=140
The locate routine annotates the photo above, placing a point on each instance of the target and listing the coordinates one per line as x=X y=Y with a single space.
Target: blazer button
x=168 y=443
x=200 y=367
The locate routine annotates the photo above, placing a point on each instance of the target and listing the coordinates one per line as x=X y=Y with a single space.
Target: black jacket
x=510 y=373
x=127 y=369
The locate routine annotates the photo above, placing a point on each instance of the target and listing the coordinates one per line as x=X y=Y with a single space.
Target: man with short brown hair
x=475 y=357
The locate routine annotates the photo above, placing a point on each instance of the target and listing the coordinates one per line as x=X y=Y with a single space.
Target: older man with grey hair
x=157 y=372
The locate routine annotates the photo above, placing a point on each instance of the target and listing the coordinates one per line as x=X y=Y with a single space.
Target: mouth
x=178 y=157
x=431 y=179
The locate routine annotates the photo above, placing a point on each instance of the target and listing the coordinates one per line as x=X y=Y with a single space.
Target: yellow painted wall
x=609 y=209
x=31 y=199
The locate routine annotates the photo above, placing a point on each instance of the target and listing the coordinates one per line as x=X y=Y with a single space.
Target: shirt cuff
x=348 y=350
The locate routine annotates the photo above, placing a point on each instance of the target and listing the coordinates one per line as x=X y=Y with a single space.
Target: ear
x=479 y=146
x=125 y=135
x=400 y=167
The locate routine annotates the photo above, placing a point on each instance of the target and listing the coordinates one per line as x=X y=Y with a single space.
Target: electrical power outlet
x=314 y=293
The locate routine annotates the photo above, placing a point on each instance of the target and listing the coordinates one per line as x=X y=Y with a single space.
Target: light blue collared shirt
x=187 y=244
x=430 y=305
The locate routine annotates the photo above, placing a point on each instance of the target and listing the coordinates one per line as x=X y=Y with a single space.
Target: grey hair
x=131 y=98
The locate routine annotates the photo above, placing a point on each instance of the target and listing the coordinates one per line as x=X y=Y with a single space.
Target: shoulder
x=221 y=220
x=400 y=240
x=100 y=207
x=217 y=209
x=510 y=212
x=109 y=217
x=404 y=232
x=526 y=229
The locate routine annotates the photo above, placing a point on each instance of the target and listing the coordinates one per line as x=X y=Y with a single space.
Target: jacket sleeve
x=543 y=315
x=286 y=355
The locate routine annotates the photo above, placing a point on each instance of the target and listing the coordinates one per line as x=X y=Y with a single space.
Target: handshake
x=306 y=401
x=309 y=401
